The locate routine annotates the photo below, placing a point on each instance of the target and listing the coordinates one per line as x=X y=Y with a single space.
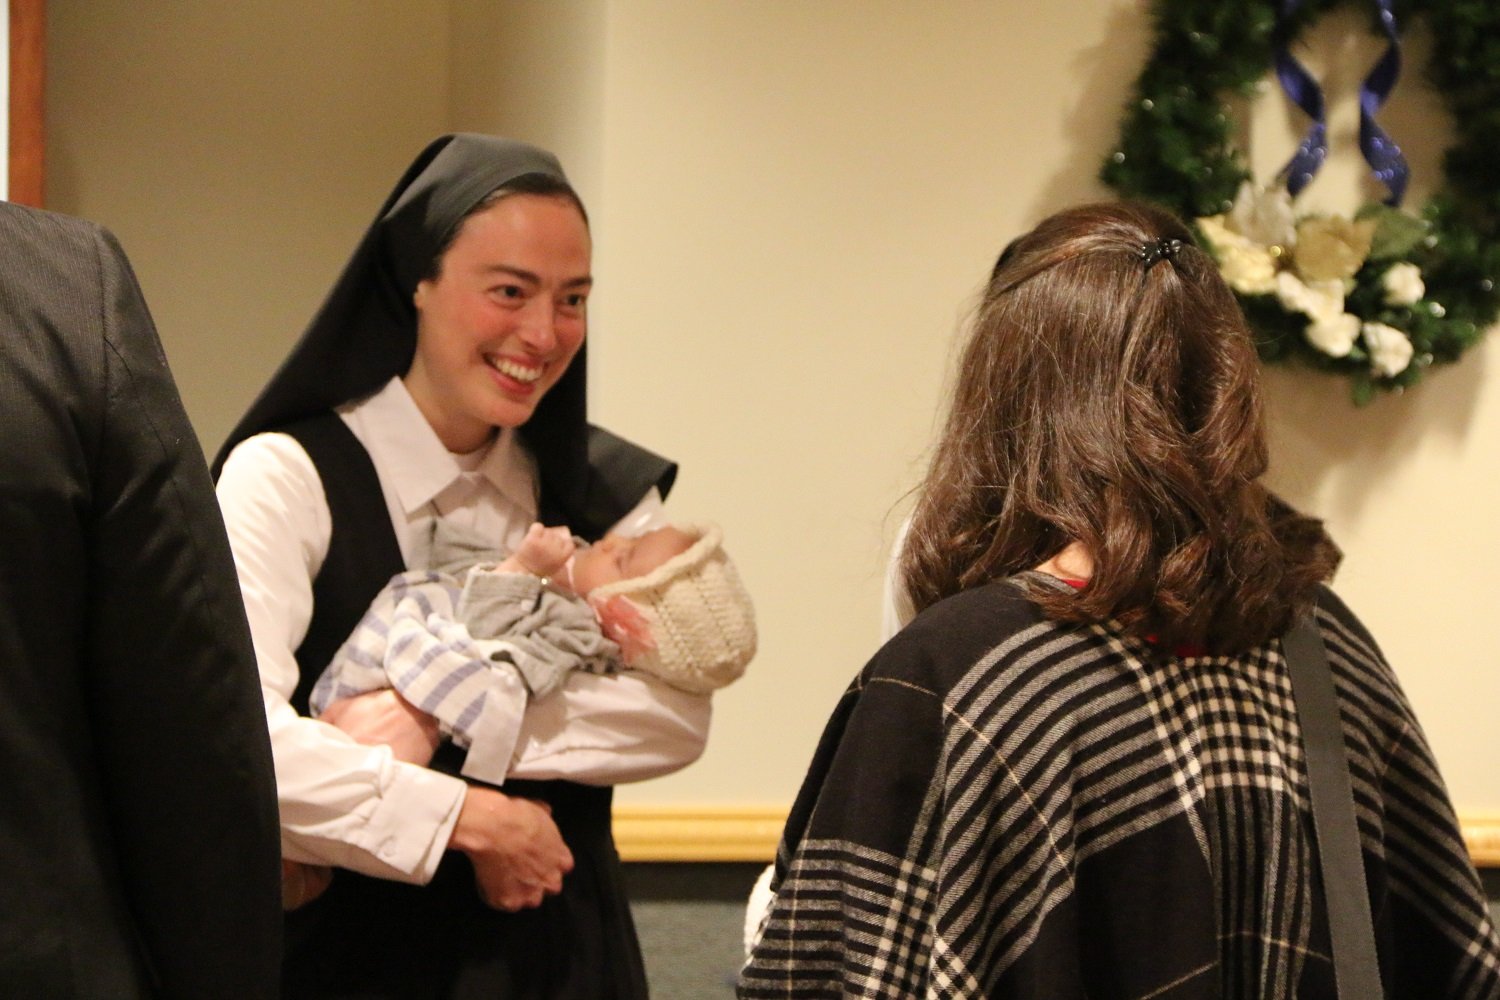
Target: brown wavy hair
x=1114 y=400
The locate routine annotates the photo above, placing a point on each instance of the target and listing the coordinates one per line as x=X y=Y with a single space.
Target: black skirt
x=372 y=938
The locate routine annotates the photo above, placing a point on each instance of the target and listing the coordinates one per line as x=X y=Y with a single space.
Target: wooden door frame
x=28 y=21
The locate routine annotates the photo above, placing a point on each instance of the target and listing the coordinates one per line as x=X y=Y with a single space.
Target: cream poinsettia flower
x=1250 y=270
x=1316 y=299
x=1403 y=284
x=1216 y=230
x=1331 y=248
x=1249 y=267
x=1390 y=349
x=1264 y=215
x=1334 y=334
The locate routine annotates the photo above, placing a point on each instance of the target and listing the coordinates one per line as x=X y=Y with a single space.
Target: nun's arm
x=612 y=728
x=341 y=803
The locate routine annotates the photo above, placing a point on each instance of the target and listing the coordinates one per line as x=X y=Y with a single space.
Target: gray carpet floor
x=690 y=918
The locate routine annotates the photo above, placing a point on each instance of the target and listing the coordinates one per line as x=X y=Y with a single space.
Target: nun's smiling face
x=503 y=318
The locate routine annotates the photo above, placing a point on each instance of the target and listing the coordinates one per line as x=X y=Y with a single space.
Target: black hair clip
x=1150 y=253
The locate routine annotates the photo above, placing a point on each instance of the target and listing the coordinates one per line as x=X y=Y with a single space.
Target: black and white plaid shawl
x=1008 y=807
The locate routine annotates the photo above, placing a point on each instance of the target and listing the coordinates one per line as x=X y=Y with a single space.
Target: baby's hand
x=544 y=551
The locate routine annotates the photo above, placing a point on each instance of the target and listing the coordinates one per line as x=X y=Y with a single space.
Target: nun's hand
x=386 y=717
x=518 y=855
x=301 y=884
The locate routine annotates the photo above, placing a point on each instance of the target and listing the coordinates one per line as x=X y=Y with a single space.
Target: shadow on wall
x=1092 y=126
x=1330 y=456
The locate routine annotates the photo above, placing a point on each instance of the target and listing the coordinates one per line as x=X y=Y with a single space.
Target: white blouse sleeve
x=895 y=607
x=342 y=803
x=610 y=729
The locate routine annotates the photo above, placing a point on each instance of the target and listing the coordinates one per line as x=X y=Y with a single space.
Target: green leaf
x=1362 y=390
x=1397 y=233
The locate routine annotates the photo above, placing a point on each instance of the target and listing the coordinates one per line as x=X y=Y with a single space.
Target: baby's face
x=615 y=557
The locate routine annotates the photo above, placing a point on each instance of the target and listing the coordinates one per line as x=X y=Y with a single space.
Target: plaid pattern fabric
x=1008 y=807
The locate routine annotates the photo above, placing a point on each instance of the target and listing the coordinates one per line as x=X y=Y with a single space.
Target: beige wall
x=794 y=203
x=800 y=199
x=237 y=150
x=533 y=71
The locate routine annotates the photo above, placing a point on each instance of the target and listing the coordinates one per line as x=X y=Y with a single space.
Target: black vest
x=363 y=553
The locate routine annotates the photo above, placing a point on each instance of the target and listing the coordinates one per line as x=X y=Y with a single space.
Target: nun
x=444 y=377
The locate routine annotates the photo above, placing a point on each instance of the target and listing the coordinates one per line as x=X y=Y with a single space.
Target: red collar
x=1183 y=650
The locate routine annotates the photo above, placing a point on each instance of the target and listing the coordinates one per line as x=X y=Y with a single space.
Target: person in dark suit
x=139 y=852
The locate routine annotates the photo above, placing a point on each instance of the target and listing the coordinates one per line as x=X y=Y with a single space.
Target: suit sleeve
x=175 y=706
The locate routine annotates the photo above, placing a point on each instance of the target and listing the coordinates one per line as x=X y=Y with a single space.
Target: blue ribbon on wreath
x=1380 y=151
x=1303 y=91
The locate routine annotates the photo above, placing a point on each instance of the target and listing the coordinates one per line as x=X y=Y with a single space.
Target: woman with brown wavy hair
x=1078 y=772
x=1107 y=421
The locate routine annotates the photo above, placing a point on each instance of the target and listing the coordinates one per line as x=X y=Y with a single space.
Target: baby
x=667 y=602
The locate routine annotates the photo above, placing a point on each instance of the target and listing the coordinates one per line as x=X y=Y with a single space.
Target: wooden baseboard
x=1482 y=835
x=698 y=833
x=750 y=833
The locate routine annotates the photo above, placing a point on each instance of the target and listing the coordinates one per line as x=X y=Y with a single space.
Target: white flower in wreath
x=1334 y=334
x=1248 y=266
x=1314 y=299
x=1390 y=350
x=1403 y=284
x=1264 y=216
x=1249 y=270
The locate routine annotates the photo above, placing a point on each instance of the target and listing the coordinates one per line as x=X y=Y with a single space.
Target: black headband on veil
x=365 y=333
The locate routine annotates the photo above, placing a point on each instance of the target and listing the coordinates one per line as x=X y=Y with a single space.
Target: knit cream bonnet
x=696 y=620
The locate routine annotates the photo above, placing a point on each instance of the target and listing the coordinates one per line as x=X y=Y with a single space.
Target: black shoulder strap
x=1341 y=859
x=363 y=553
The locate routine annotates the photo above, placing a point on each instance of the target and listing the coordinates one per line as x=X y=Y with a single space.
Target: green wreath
x=1418 y=290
